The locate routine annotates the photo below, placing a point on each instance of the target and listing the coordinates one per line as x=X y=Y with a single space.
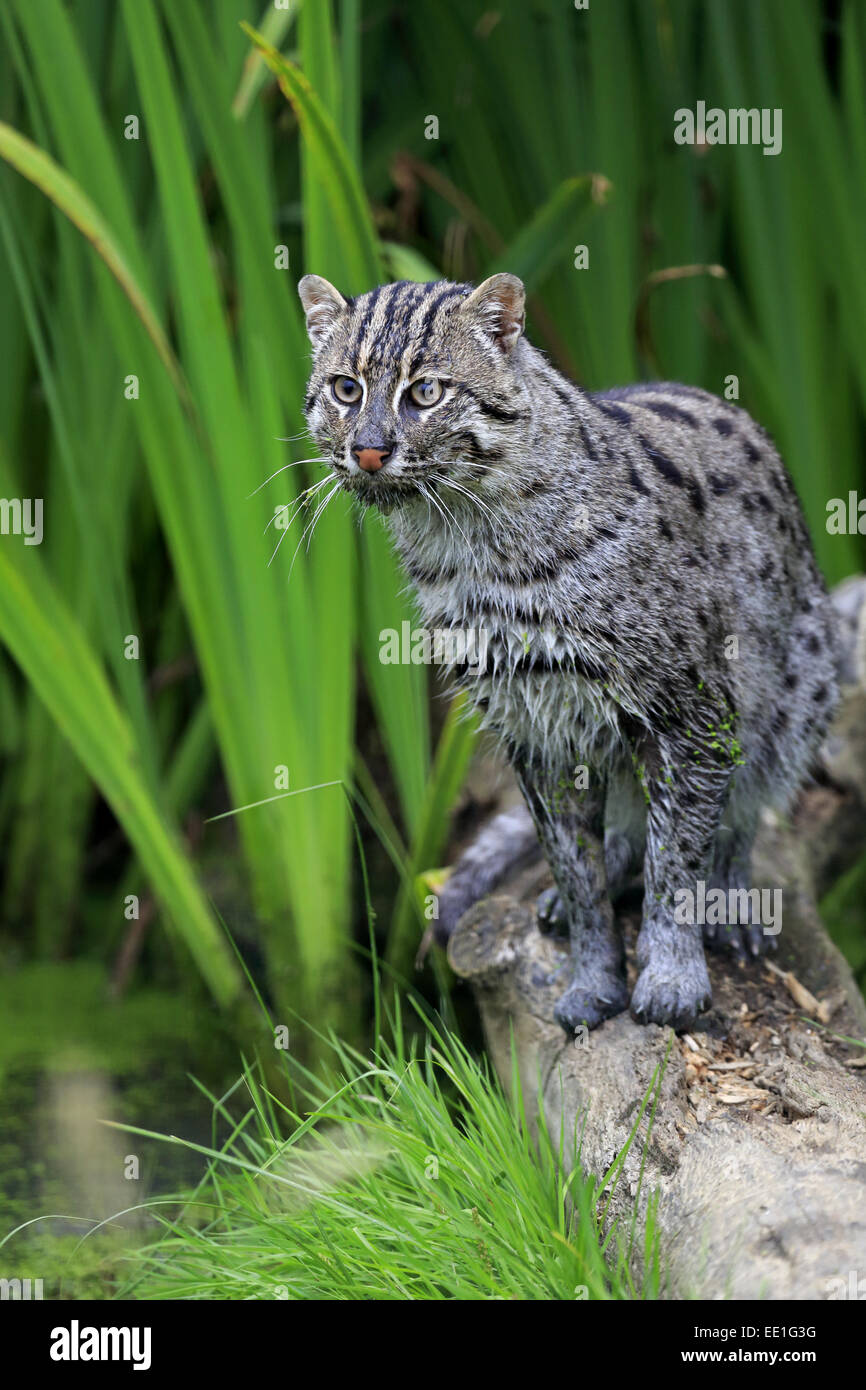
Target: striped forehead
x=394 y=324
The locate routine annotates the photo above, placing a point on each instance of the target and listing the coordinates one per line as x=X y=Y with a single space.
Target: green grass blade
x=47 y=643
x=361 y=266
x=37 y=166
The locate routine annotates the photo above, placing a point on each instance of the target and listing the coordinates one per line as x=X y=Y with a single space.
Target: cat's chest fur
x=541 y=672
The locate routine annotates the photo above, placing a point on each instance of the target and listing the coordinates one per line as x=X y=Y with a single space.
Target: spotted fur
x=640 y=564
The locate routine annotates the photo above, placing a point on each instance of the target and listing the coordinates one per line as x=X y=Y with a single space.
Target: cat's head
x=416 y=384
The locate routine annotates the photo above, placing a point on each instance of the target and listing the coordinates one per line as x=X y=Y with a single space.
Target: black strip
x=696 y=496
x=637 y=481
x=720 y=485
x=588 y=446
x=496 y=412
x=662 y=463
x=572 y=664
x=409 y=303
x=422 y=575
x=614 y=412
x=450 y=292
x=393 y=315
x=543 y=570
x=670 y=412
x=368 y=314
x=477 y=448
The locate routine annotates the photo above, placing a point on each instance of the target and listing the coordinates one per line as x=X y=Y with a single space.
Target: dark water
x=63 y=1170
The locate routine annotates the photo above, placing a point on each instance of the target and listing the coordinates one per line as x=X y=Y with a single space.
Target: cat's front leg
x=687 y=793
x=570 y=825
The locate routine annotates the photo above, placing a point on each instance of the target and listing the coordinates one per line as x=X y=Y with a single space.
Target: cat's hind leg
x=740 y=928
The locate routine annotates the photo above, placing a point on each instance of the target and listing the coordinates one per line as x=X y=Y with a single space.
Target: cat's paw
x=671 y=992
x=583 y=1006
x=552 y=920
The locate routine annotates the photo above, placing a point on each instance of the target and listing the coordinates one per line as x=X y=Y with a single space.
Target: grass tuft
x=409 y=1174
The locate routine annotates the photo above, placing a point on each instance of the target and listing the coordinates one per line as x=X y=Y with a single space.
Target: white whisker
x=277 y=546
x=436 y=503
x=312 y=525
x=482 y=506
x=302 y=498
x=456 y=522
x=297 y=504
x=486 y=467
x=296 y=464
x=300 y=503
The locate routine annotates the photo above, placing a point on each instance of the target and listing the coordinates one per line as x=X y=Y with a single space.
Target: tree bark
x=757 y=1147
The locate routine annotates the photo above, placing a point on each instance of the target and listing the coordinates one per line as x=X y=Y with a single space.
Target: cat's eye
x=427 y=390
x=347 y=390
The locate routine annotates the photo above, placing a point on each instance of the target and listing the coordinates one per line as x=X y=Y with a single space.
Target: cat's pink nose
x=371 y=459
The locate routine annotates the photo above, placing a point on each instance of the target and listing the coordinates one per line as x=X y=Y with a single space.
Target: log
x=756 y=1152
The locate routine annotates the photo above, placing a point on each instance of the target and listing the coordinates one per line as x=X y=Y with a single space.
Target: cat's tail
x=508 y=842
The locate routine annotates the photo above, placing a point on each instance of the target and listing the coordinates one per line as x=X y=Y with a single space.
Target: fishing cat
x=661 y=651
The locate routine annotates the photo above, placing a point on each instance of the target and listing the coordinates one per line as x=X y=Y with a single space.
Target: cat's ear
x=499 y=303
x=322 y=306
